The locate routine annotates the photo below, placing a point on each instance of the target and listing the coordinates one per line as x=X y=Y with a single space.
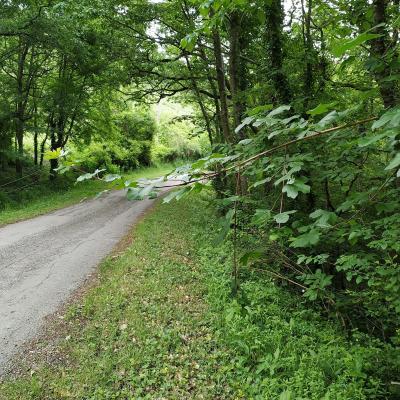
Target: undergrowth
x=163 y=324
x=36 y=195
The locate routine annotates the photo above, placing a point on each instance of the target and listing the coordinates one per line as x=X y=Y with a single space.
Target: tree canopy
x=300 y=101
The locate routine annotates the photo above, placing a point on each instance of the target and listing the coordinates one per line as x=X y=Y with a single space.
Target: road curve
x=42 y=261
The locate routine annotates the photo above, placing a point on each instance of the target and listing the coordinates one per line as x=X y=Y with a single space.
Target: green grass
x=162 y=324
x=45 y=196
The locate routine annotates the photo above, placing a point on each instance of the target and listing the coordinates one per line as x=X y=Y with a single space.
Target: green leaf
x=390 y=117
x=324 y=218
x=292 y=189
x=261 y=216
x=111 y=177
x=289 y=175
x=175 y=194
x=260 y=109
x=245 y=122
x=131 y=184
x=52 y=154
x=133 y=194
x=145 y=191
x=197 y=188
x=84 y=177
x=199 y=164
x=62 y=169
x=394 y=163
x=261 y=182
x=286 y=395
x=226 y=226
x=189 y=42
x=229 y=200
x=321 y=108
x=283 y=217
x=251 y=256
x=306 y=239
x=184 y=43
x=88 y=176
x=367 y=140
x=341 y=48
x=301 y=186
x=278 y=111
x=245 y=142
x=330 y=118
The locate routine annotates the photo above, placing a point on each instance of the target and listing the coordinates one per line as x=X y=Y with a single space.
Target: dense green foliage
x=301 y=105
x=162 y=324
x=317 y=178
x=35 y=195
x=65 y=77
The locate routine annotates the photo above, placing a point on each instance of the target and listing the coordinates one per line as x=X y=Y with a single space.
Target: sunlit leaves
x=269 y=119
x=195 y=188
x=390 y=119
x=111 y=177
x=260 y=109
x=394 y=163
x=279 y=110
x=329 y=119
x=53 y=154
x=176 y=194
x=245 y=122
x=88 y=176
x=189 y=42
x=341 y=48
x=321 y=108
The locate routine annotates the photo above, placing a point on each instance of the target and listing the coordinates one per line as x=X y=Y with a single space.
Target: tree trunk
x=274 y=39
x=35 y=148
x=20 y=108
x=19 y=141
x=219 y=64
x=380 y=49
x=54 y=144
x=308 y=47
x=35 y=135
x=199 y=100
x=42 y=147
x=237 y=73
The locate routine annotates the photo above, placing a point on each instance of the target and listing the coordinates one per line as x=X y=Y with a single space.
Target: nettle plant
x=320 y=198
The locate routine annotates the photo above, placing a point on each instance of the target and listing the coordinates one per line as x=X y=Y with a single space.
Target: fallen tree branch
x=274 y=149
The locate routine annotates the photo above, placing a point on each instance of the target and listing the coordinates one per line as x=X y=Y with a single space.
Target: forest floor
x=160 y=322
x=42 y=197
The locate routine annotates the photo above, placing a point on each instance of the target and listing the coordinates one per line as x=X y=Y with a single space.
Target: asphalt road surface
x=43 y=260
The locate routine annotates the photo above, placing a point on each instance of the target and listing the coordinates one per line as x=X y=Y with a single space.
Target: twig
x=274 y=149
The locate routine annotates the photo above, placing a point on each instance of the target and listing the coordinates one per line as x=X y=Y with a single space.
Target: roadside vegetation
x=36 y=196
x=290 y=111
x=162 y=323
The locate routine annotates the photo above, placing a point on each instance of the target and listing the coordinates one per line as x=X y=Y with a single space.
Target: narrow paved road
x=44 y=259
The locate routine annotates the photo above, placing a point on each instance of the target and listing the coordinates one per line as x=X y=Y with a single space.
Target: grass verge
x=162 y=324
x=43 y=197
